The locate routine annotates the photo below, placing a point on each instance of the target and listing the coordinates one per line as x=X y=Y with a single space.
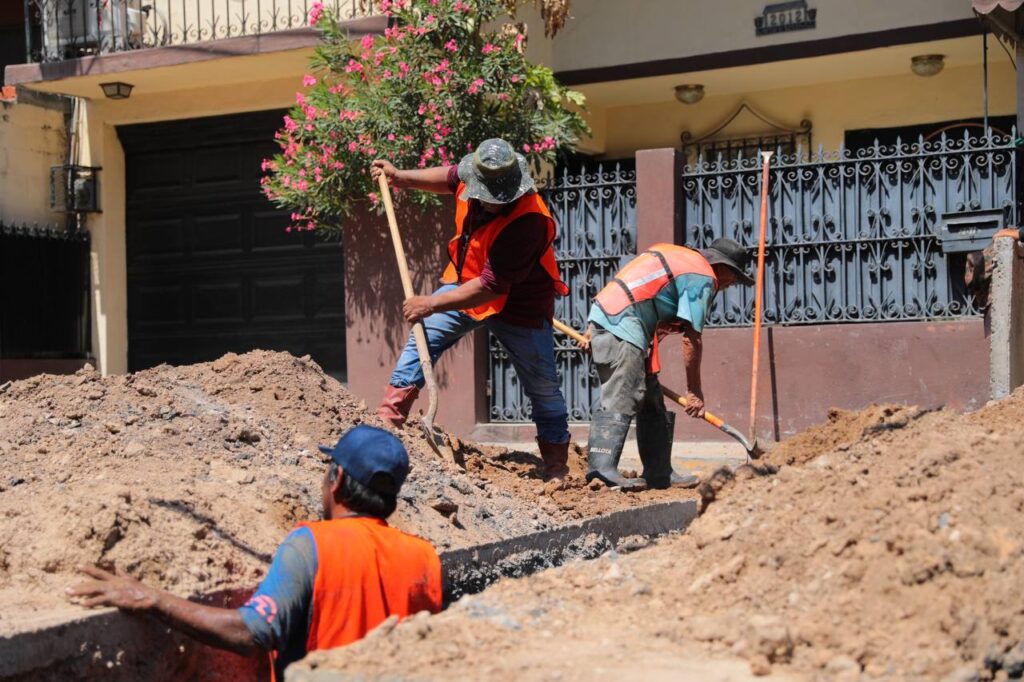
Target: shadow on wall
x=373 y=305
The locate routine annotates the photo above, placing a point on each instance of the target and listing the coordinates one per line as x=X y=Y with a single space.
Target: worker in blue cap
x=330 y=582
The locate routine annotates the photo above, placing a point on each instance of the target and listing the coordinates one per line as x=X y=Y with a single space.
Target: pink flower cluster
x=315 y=11
x=296 y=219
x=475 y=86
x=489 y=48
x=544 y=145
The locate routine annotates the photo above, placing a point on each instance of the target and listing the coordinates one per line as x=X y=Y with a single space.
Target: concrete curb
x=471 y=570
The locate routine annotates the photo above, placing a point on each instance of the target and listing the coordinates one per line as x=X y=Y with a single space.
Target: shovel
x=436 y=438
x=753 y=451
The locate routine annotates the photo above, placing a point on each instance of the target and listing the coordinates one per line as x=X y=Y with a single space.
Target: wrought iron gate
x=853 y=236
x=44 y=293
x=596 y=217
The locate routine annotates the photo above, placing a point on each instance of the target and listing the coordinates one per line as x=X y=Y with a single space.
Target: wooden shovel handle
x=418 y=331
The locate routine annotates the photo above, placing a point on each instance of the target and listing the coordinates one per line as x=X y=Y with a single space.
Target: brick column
x=659 y=197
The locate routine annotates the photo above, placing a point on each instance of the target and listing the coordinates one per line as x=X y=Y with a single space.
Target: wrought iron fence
x=596 y=216
x=853 y=236
x=65 y=29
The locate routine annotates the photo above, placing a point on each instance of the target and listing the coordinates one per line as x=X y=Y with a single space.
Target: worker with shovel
x=330 y=582
x=502 y=275
x=668 y=289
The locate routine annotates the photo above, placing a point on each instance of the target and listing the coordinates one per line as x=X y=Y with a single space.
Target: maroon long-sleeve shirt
x=513 y=264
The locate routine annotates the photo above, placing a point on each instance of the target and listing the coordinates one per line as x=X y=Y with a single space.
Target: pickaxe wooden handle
x=717 y=422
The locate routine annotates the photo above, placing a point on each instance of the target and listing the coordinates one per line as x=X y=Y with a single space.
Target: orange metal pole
x=759 y=292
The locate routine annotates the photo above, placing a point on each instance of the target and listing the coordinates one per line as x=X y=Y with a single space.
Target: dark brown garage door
x=211 y=268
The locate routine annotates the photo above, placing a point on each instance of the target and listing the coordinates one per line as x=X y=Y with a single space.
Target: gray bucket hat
x=494 y=173
x=731 y=253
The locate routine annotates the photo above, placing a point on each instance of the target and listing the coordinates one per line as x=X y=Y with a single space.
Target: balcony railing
x=67 y=29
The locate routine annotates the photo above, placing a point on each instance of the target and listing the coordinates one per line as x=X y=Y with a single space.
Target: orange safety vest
x=479 y=246
x=366 y=572
x=644 y=276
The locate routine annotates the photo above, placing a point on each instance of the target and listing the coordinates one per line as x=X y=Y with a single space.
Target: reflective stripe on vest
x=647 y=274
x=474 y=254
x=367 y=571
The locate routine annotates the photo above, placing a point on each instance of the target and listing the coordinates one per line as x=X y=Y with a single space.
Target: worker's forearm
x=222 y=628
x=467 y=295
x=426 y=179
x=693 y=347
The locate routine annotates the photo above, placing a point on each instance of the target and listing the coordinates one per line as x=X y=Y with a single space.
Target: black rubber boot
x=654 y=437
x=607 y=436
x=654 y=441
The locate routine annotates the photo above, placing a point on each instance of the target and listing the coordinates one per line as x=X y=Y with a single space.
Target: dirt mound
x=893 y=552
x=189 y=477
x=843 y=429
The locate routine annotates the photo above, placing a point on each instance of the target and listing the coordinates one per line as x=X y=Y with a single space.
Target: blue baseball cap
x=365 y=451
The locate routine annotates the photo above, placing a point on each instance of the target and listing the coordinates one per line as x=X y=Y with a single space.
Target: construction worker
x=502 y=275
x=330 y=582
x=665 y=290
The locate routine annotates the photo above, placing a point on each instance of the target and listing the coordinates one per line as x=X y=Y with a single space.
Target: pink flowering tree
x=432 y=87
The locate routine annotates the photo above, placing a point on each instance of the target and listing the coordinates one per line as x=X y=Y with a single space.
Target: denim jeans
x=532 y=352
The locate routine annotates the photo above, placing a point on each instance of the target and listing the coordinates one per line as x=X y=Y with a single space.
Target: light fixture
x=117 y=90
x=927 y=64
x=690 y=93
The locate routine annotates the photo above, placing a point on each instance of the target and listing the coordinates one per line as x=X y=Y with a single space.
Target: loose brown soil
x=189 y=477
x=882 y=545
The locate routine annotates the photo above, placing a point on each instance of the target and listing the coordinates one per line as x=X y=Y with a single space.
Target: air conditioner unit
x=72 y=28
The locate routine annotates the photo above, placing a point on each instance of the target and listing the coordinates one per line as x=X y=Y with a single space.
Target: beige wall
x=613 y=32
x=832 y=108
x=31 y=140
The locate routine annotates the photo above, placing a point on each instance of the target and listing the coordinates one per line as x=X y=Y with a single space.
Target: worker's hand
x=416 y=308
x=388 y=169
x=108 y=589
x=584 y=343
x=695 y=405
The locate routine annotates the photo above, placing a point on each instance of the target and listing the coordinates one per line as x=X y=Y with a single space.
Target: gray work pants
x=626 y=387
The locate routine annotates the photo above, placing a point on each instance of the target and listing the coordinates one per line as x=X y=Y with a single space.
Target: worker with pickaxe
x=667 y=289
x=502 y=275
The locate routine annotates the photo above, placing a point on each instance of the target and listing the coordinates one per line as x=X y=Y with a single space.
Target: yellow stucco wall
x=31 y=140
x=832 y=108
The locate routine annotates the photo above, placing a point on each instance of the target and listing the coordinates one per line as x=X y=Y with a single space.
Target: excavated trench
x=75 y=644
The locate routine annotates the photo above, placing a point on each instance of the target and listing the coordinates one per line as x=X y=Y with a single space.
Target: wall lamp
x=927 y=64
x=691 y=93
x=117 y=90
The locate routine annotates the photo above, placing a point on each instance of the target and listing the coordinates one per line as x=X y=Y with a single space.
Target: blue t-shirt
x=278 y=614
x=686 y=298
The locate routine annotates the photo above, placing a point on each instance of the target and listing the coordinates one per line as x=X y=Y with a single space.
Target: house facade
x=187 y=260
